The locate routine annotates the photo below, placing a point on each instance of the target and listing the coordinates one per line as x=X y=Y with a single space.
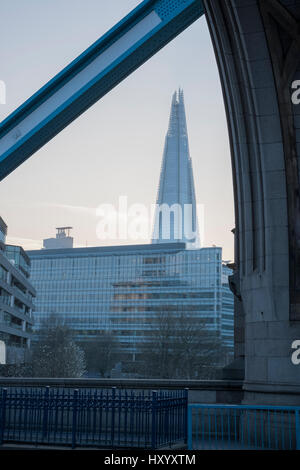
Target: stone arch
x=257 y=46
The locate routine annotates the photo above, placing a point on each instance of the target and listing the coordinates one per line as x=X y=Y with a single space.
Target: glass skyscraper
x=176 y=212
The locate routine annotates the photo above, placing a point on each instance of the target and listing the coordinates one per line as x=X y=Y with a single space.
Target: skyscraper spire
x=176 y=215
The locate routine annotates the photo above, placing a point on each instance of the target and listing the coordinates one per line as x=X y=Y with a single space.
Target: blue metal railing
x=93 y=417
x=243 y=427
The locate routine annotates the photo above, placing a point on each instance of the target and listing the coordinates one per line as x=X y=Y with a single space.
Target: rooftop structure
x=62 y=239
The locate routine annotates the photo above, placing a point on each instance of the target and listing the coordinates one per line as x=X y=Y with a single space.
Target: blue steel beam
x=143 y=32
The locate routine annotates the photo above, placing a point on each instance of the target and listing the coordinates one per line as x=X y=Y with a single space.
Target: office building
x=122 y=288
x=16 y=301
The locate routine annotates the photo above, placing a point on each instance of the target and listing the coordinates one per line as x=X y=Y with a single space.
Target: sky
x=115 y=148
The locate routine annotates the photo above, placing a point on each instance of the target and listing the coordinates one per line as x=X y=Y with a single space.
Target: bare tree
x=56 y=354
x=102 y=353
x=181 y=347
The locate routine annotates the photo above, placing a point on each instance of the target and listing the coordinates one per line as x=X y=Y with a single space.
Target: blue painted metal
x=46 y=406
x=171 y=18
x=243 y=427
x=3 y=394
x=154 y=424
x=86 y=417
x=74 y=418
x=297 y=430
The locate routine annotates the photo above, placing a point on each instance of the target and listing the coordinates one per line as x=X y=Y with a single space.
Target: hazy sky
x=115 y=148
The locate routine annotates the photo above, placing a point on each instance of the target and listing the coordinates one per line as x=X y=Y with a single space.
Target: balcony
x=10 y=325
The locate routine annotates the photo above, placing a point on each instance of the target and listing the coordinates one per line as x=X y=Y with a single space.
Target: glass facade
x=121 y=289
x=16 y=303
x=176 y=189
x=17 y=256
x=3 y=232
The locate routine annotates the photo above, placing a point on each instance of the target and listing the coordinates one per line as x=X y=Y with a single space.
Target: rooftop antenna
x=63 y=232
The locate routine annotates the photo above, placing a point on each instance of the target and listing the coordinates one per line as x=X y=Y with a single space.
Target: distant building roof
x=108 y=250
x=113 y=250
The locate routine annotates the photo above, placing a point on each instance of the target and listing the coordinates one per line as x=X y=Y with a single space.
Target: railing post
x=154 y=411
x=113 y=399
x=185 y=423
x=3 y=412
x=74 y=419
x=190 y=428
x=297 y=425
x=45 y=413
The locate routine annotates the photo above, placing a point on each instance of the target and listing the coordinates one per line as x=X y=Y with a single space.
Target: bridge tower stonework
x=257 y=46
